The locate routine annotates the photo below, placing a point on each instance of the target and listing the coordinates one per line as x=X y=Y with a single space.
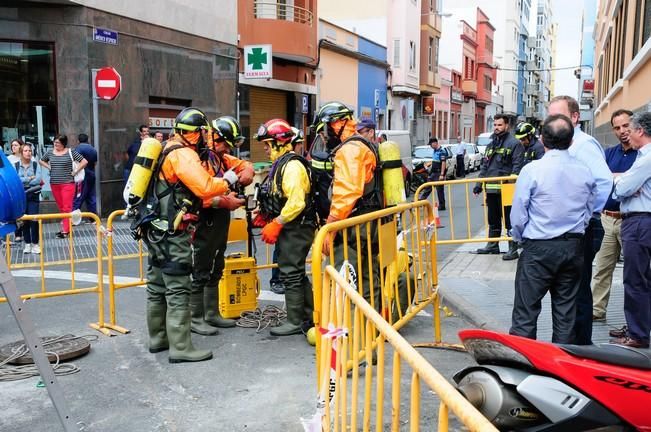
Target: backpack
x=149 y=208
x=271 y=200
x=323 y=175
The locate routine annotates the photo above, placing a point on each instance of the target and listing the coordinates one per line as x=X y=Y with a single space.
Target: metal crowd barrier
x=63 y=252
x=403 y=258
x=350 y=400
x=460 y=229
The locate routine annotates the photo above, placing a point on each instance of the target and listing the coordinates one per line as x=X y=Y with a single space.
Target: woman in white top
x=15 y=151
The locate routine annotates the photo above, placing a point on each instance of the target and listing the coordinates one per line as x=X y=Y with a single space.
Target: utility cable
x=260 y=319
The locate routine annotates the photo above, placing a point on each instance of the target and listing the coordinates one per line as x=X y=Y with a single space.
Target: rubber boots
x=197 y=323
x=295 y=314
x=492 y=248
x=178 y=332
x=156 y=325
x=211 y=309
x=512 y=253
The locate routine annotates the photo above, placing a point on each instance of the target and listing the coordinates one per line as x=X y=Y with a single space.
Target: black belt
x=566 y=236
x=632 y=214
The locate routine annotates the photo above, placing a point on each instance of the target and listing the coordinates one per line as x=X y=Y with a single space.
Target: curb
x=468 y=311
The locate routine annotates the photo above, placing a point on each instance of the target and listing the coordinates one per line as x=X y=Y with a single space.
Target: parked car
x=466 y=158
x=475 y=157
x=424 y=154
x=483 y=140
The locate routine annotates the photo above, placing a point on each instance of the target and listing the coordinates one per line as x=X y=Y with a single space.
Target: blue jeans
x=30 y=228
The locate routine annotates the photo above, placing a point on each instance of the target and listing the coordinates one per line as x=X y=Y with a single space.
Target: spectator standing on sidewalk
x=14 y=157
x=633 y=189
x=132 y=150
x=499 y=160
x=29 y=173
x=552 y=206
x=87 y=192
x=587 y=150
x=619 y=159
x=436 y=172
x=461 y=162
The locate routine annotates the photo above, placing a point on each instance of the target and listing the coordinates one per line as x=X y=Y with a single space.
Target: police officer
x=530 y=147
x=180 y=185
x=286 y=203
x=499 y=160
x=211 y=235
x=356 y=190
x=437 y=171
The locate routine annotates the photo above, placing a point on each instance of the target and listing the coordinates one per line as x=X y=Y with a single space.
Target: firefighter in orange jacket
x=211 y=236
x=180 y=185
x=356 y=190
x=289 y=219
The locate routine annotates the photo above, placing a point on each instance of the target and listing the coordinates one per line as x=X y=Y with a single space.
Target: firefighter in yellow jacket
x=180 y=185
x=289 y=220
x=356 y=190
x=211 y=236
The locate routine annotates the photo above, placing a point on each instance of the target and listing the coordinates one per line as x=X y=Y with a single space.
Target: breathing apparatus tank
x=143 y=168
x=392 y=180
x=12 y=196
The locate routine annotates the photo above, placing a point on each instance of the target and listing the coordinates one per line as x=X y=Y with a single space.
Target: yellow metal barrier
x=394 y=252
x=50 y=248
x=453 y=236
x=113 y=285
x=341 y=389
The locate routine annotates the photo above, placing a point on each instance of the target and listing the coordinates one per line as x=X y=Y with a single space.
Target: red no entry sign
x=107 y=83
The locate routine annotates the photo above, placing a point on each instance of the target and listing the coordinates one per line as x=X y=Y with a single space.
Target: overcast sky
x=567 y=13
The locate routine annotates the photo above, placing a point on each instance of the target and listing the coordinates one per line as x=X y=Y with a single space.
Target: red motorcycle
x=527 y=385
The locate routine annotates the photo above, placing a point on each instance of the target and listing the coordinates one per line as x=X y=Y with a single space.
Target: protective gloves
x=230 y=201
x=271 y=231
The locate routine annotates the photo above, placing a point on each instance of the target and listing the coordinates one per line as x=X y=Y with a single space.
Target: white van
x=483 y=140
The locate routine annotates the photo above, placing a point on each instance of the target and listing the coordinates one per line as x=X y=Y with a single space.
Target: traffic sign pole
x=98 y=185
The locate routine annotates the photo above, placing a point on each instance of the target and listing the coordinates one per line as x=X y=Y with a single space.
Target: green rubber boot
x=295 y=313
x=178 y=332
x=211 y=309
x=197 y=323
x=156 y=325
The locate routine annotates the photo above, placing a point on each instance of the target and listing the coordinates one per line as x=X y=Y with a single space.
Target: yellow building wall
x=339 y=79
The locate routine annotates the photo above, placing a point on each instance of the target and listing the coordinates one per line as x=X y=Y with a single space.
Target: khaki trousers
x=611 y=246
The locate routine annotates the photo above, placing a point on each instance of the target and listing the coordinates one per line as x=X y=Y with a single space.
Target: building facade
x=290 y=93
x=47 y=52
x=485 y=72
x=539 y=52
x=622 y=35
x=441 y=120
x=586 y=69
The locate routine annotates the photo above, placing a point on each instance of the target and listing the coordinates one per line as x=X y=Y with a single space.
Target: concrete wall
x=206 y=18
x=338 y=80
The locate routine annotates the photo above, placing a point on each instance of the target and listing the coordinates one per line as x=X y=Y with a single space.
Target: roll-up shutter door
x=265 y=104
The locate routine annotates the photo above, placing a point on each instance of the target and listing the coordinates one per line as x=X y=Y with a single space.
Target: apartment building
x=622 y=35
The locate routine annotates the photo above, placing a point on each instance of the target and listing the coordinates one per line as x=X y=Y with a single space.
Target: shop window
x=28 y=101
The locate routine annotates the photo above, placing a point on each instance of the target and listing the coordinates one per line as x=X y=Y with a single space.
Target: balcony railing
x=281 y=11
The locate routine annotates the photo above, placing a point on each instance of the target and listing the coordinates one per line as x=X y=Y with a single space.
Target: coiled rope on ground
x=260 y=319
x=18 y=372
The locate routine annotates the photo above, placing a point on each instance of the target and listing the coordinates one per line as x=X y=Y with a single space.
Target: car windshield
x=483 y=141
x=470 y=149
x=453 y=148
x=423 y=153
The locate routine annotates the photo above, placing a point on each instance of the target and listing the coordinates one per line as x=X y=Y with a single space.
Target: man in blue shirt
x=437 y=172
x=552 y=206
x=619 y=158
x=86 y=191
x=633 y=189
x=132 y=150
x=586 y=149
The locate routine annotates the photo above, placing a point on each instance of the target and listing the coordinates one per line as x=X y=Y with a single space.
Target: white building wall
x=206 y=18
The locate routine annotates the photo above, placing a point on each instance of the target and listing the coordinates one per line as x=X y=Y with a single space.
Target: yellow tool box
x=239 y=286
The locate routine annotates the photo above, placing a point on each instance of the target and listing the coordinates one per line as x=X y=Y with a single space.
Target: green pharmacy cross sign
x=257 y=61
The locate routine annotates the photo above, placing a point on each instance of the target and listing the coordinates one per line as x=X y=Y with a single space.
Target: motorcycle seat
x=612 y=354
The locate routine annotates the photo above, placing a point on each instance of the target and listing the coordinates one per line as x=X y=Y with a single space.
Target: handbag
x=82 y=174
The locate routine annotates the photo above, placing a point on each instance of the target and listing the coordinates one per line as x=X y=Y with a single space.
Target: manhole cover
x=67 y=347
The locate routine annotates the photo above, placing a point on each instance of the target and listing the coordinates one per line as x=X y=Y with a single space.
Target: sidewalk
x=481 y=288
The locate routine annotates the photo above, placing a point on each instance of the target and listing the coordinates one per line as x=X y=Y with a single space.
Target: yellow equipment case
x=239 y=286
